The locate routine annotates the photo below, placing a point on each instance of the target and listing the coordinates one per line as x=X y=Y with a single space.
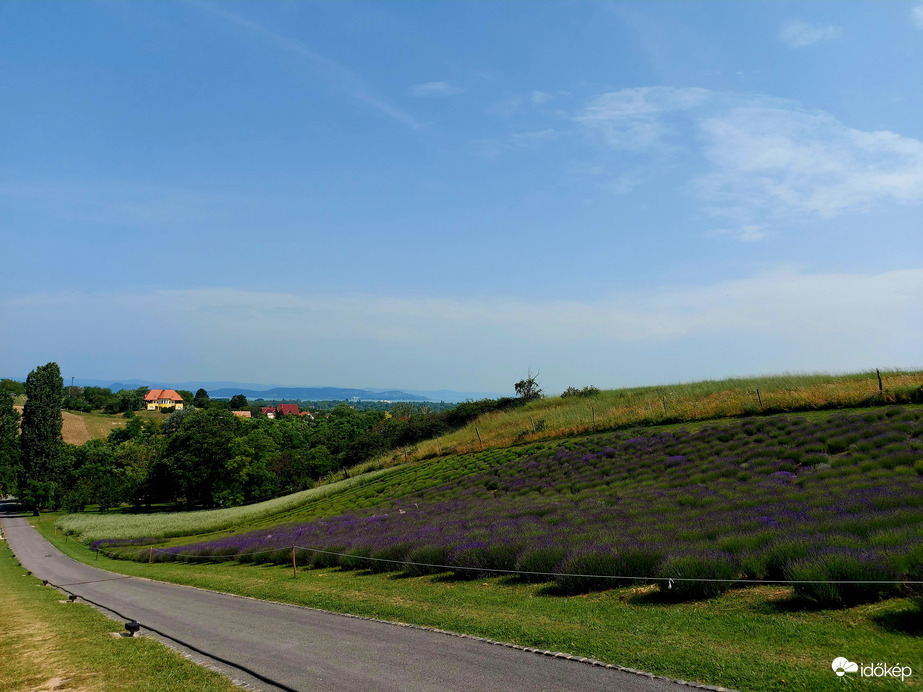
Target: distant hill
x=316 y=394
x=227 y=389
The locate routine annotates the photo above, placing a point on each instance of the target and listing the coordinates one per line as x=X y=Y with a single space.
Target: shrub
x=819 y=573
x=586 y=391
x=355 y=558
x=777 y=557
x=323 y=560
x=423 y=557
x=715 y=566
x=594 y=570
x=479 y=559
x=282 y=556
x=544 y=560
x=398 y=553
x=262 y=557
x=914 y=591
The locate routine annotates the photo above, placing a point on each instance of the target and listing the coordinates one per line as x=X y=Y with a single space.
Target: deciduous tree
x=528 y=388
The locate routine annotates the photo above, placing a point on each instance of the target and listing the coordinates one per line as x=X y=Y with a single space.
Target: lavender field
x=835 y=498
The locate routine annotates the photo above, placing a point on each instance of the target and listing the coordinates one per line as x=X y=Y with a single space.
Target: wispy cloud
x=800 y=34
x=918 y=16
x=775 y=159
x=513 y=103
x=530 y=140
x=110 y=203
x=521 y=141
x=334 y=73
x=435 y=89
x=750 y=233
x=764 y=157
x=633 y=119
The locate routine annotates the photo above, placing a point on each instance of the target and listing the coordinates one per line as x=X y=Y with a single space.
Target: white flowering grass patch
x=93 y=527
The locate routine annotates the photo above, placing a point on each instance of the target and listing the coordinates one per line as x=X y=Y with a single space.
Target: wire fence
x=551 y=576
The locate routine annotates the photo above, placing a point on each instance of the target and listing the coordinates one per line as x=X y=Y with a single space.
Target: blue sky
x=442 y=195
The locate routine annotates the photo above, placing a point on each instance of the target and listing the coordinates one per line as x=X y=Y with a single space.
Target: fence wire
x=515 y=572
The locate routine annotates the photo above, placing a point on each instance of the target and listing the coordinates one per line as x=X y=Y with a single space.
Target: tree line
x=202 y=455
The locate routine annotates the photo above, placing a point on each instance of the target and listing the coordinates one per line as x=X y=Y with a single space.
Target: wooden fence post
x=881 y=390
x=533 y=424
x=294 y=570
x=479 y=435
x=150 y=556
x=760 y=399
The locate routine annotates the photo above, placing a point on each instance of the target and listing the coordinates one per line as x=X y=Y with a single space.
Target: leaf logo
x=841 y=666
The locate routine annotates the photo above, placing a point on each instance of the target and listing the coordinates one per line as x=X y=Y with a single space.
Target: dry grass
x=32 y=655
x=562 y=417
x=74 y=430
x=50 y=646
x=78 y=428
x=99 y=425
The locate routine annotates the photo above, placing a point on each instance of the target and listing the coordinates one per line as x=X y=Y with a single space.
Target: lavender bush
x=758 y=498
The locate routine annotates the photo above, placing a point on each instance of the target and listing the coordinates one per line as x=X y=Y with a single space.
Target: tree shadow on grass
x=906 y=621
x=788 y=603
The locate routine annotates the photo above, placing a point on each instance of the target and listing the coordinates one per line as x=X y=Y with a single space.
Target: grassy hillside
x=91 y=526
x=777 y=497
x=819 y=497
x=556 y=417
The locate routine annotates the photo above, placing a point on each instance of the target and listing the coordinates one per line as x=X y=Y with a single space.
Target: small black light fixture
x=44 y=582
x=132 y=627
x=72 y=597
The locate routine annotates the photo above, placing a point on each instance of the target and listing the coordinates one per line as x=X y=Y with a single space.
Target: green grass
x=45 y=642
x=91 y=527
x=752 y=640
x=99 y=425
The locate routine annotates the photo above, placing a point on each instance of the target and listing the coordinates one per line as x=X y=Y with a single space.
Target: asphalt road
x=306 y=649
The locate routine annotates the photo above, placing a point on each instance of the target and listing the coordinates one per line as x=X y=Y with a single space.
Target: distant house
x=285 y=410
x=157 y=399
x=241 y=414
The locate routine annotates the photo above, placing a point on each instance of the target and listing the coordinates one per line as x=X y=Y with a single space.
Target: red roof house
x=157 y=399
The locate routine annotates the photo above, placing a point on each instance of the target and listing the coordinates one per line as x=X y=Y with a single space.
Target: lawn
x=50 y=645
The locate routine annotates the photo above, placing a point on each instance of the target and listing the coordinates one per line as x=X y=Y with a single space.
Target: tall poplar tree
x=9 y=445
x=42 y=443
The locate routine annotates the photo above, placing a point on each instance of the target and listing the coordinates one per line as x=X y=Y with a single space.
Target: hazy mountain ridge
x=226 y=389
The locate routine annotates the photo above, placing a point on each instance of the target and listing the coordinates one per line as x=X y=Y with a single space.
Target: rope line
x=182 y=643
x=456 y=568
x=92 y=581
